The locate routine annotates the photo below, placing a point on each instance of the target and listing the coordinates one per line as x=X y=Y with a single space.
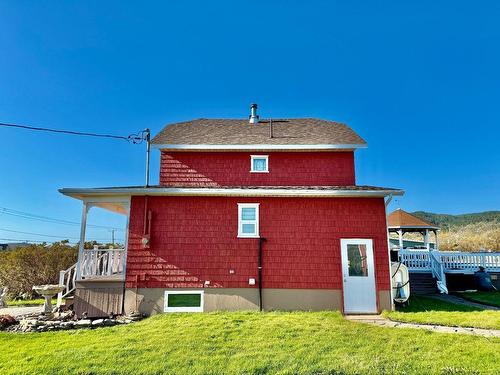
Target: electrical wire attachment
x=136 y=138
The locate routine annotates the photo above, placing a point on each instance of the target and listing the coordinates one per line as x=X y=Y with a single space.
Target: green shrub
x=23 y=267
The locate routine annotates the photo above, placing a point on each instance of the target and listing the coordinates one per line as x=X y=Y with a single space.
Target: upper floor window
x=259 y=163
x=248 y=220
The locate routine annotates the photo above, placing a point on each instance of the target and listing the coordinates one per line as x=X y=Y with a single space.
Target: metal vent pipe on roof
x=254 y=118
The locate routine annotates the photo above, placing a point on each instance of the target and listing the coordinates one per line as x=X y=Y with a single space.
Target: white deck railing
x=95 y=263
x=437 y=270
x=451 y=261
x=98 y=263
x=470 y=262
x=415 y=260
x=67 y=279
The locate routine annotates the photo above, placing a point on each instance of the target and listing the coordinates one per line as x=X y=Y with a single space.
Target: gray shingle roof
x=296 y=131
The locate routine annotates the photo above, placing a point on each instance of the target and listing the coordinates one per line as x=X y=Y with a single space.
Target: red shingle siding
x=233 y=169
x=194 y=239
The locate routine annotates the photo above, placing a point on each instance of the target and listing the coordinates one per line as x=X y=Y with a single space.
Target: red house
x=249 y=214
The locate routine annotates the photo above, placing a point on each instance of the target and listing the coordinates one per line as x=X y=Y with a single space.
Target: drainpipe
x=259 y=265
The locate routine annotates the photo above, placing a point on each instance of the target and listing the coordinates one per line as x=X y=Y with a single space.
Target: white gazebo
x=401 y=222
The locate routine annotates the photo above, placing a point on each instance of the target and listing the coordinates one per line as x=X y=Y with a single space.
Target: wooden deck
x=452 y=261
x=439 y=264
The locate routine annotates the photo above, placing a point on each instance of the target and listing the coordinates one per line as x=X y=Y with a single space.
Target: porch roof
x=253 y=191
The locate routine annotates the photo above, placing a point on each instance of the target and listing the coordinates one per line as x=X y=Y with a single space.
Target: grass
x=248 y=343
x=431 y=311
x=488 y=298
x=28 y=302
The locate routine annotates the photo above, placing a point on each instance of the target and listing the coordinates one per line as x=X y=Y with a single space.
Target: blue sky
x=420 y=81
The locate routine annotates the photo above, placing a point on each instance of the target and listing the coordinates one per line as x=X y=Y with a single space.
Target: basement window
x=259 y=163
x=183 y=301
x=248 y=220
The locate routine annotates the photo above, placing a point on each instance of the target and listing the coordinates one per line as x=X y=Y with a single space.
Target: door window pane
x=356 y=257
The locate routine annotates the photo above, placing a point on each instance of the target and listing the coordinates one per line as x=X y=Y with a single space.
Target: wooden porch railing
x=95 y=263
x=415 y=260
x=452 y=261
x=470 y=262
x=101 y=263
x=437 y=270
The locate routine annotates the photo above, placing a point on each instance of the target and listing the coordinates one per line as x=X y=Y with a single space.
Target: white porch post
x=436 y=245
x=426 y=240
x=81 y=248
x=400 y=233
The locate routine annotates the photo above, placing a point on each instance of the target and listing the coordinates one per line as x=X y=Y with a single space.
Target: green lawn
x=431 y=311
x=248 y=343
x=488 y=298
x=28 y=302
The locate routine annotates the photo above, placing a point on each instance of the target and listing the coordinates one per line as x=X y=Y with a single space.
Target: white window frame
x=166 y=308
x=241 y=221
x=253 y=157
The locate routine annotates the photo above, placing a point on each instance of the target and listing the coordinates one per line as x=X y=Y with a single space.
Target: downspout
x=146 y=233
x=259 y=265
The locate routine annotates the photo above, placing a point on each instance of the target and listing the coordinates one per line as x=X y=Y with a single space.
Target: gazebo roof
x=400 y=219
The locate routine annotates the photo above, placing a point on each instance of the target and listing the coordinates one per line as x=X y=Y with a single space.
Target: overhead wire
x=54 y=236
x=30 y=241
x=27 y=215
x=135 y=138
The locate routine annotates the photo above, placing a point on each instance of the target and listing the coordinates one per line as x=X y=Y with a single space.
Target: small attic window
x=259 y=163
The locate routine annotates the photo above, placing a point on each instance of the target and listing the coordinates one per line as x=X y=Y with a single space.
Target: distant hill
x=446 y=221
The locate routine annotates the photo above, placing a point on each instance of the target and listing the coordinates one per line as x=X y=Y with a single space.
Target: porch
x=96 y=265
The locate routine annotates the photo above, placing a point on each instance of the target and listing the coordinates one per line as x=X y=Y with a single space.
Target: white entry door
x=358 y=275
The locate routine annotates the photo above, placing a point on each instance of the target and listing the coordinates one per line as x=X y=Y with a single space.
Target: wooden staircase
x=422 y=283
x=67 y=278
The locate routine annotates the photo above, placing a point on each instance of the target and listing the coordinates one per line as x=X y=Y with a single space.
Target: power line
x=46 y=219
x=30 y=241
x=134 y=138
x=53 y=236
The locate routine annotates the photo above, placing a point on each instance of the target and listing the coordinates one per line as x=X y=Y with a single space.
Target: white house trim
x=85 y=193
x=258 y=147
